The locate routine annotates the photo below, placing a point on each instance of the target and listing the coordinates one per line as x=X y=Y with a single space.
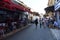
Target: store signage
x=57 y=6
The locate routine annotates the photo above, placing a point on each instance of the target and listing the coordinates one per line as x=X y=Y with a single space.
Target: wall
x=51 y=2
x=58 y=18
x=57 y=5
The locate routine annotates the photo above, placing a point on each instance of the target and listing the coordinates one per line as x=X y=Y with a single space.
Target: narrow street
x=31 y=33
x=17 y=18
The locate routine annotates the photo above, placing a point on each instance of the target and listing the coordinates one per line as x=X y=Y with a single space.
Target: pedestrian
x=56 y=24
x=40 y=22
x=51 y=22
x=46 y=22
x=36 y=23
x=43 y=22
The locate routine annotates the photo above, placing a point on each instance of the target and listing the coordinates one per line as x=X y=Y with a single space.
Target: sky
x=36 y=5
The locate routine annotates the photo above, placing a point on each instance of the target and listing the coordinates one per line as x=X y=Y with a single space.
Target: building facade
x=51 y=2
x=50 y=9
x=57 y=10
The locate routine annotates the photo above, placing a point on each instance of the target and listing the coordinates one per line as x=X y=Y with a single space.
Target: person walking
x=43 y=22
x=36 y=23
x=56 y=25
x=40 y=20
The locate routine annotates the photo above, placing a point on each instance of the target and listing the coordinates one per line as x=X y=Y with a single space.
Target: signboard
x=57 y=5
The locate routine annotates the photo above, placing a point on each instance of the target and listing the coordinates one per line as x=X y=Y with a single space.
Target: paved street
x=31 y=33
x=56 y=33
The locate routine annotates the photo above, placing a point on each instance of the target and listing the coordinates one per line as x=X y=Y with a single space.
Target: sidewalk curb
x=13 y=32
x=56 y=33
x=53 y=34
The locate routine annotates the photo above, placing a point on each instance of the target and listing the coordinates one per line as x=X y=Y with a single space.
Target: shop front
x=57 y=11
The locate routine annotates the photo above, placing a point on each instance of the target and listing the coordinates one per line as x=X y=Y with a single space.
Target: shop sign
x=57 y=6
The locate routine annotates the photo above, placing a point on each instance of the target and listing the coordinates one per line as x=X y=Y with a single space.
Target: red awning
x=14 y=6
x=20 y=7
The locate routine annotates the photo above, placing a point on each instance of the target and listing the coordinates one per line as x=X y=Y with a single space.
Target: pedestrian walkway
x=56 y=33
x=31 y=33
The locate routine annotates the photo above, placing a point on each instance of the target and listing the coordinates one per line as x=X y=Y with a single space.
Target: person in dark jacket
x=36 y=23
x=40 y=20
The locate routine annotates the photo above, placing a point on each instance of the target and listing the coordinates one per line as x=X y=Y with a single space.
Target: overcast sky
x=36 y=5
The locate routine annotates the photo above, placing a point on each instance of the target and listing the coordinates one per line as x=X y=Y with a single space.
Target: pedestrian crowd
x=10 y=26
x=47 y=22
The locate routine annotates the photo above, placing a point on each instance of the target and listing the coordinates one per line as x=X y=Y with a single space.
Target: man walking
x=40 y=20
x=36 y=23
